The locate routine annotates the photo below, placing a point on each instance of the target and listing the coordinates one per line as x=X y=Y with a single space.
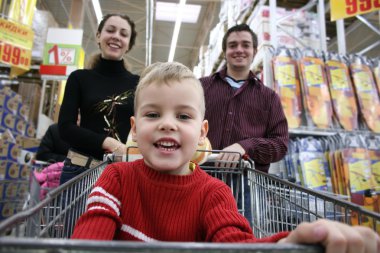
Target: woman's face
x=114 y=38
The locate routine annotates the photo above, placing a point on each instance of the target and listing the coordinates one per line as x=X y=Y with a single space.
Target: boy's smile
x=167 y=144
x=168 y=125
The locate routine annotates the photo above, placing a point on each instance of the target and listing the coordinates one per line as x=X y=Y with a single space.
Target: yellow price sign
x=15 y=56
x=349 y=8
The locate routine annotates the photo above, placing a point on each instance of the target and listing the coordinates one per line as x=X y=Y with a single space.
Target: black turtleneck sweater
x=85 y=88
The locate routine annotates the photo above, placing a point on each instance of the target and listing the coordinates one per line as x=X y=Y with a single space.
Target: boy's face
x=239 y=50
x=168 y=126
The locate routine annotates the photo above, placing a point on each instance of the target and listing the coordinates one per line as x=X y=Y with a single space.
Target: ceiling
x=193 y=36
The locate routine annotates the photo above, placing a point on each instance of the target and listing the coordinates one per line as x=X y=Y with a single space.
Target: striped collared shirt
x=251 y=116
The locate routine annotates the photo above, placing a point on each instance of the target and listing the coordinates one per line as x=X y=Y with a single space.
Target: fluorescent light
x=98 y=10
x=177 y=26
x=164 y=12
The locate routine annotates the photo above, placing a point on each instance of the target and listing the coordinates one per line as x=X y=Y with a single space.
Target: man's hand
x=336 y=237
x=227 y=159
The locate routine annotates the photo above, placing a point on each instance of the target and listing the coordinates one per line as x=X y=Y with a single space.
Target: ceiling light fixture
x=165 y=10
x=98 y=10
x=177 y=27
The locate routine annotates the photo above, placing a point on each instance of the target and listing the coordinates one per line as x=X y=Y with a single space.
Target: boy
x=165 y=197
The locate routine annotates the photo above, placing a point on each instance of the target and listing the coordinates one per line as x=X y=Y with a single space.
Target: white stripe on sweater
x=103 y=200
x=104 y=192
x=96 y=208
x=137 y=234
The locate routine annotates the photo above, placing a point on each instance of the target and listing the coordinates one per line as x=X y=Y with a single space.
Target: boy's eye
x=152 y=115
x=183 y=116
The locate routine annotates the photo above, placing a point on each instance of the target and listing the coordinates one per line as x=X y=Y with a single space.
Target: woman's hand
x=111 y=145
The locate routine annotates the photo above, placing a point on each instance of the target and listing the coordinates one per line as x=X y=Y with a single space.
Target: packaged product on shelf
x=9 y=100
x=23 y=111
x=366 y=92
x=9 y=151
x=313 y=167
x=376 y=72
x=287 y=85
x=7 y=120
x=314 y=86
x=342 y=92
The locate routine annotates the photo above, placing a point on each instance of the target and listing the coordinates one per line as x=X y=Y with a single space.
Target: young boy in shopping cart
x=166 y=197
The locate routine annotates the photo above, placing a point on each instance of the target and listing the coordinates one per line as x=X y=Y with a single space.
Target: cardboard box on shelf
x=27 y=143
x=30 y=130
x=23 y=111
x=9 y=151
x=9 y=100
x=7 y=120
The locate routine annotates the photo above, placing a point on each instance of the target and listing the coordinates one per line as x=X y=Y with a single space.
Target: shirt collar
x=252 y=78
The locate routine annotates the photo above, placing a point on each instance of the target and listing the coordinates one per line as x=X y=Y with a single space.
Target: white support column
x=273 y=22
x=341 y=37
x=322 y=24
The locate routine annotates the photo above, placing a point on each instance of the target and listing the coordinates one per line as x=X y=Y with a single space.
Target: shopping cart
x=275 y=205
x=54 y=216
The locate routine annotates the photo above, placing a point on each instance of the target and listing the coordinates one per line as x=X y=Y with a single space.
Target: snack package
x=287 y=85
x=342 y=92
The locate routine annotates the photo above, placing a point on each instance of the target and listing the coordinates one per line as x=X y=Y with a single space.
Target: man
x=245 y=117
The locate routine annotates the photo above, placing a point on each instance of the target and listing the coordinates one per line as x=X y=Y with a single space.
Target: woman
x=103 y=94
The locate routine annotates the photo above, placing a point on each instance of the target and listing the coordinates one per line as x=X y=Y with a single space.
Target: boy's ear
x=204 y=131
x=133 y=128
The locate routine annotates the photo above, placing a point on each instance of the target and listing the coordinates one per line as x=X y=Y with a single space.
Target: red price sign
x=348 y=8
x=14 y=55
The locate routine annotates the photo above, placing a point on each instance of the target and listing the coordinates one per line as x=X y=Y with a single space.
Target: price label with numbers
x=348 y=8
x=16 y=42
x=15 y=56
x=60 y=54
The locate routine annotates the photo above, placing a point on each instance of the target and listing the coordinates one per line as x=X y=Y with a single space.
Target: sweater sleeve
x=102 y=216
x=223 y=222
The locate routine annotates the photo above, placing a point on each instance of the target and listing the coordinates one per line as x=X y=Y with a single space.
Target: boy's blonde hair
x=163 y=73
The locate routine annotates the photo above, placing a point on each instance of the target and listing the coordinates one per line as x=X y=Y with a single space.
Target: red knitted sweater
x=130 y=201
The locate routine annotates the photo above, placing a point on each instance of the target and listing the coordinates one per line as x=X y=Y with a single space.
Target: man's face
x=239 y=50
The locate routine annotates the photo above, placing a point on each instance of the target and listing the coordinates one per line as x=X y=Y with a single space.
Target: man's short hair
x=163 y=73
x=239 y=28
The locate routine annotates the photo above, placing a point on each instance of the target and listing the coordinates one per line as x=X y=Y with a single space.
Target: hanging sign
x=348 y=8
x=22 y=11
x=16 y=43
x=62 y=52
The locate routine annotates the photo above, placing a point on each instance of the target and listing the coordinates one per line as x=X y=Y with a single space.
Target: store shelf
x=308 y=131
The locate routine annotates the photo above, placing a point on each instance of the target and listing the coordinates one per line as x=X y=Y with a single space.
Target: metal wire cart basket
x=269 y=203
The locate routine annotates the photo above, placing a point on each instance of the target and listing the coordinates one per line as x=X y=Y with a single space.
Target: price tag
x=348 y=8
x=16 y=42
x=61 y=54
x=15 y=56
